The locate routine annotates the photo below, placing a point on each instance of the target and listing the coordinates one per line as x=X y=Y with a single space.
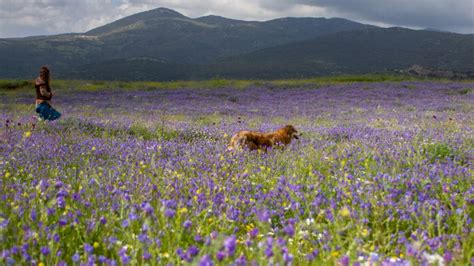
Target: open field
x=138 y=173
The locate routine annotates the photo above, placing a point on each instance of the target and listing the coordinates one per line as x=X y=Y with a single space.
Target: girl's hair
x=44 y=74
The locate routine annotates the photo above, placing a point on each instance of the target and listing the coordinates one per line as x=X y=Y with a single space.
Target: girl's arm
x=44 y=91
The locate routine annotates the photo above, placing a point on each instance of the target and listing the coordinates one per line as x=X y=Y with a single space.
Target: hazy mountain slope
x=354 y=53
x=159 y=34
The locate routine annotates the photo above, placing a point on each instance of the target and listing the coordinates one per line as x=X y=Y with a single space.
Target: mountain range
x=162 y=44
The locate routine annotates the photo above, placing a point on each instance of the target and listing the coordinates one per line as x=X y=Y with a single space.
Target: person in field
x=44 y=96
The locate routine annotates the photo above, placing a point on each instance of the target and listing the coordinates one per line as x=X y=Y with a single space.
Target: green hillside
x=162 y=44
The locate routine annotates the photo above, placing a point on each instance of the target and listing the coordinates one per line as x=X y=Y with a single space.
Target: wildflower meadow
x=139 y=174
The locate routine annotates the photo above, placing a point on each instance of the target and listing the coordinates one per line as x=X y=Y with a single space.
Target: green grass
x=96 y=85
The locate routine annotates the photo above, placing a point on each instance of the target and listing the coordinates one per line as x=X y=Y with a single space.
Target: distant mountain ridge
x=162 y=44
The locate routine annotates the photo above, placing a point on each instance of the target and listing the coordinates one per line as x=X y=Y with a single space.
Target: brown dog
x=253 y=140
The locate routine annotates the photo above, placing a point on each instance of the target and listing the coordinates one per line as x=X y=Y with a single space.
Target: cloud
x=39 y=17
x=456 y=15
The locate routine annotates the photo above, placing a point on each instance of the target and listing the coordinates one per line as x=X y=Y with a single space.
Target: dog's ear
x=290 y=129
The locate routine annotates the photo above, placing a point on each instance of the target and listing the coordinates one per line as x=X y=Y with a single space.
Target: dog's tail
x=236 y=143
x=232 y=144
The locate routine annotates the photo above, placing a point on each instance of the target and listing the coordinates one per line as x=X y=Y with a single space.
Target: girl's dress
x=43 y=96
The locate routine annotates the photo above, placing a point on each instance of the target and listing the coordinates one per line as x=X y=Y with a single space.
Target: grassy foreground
x=138 y=173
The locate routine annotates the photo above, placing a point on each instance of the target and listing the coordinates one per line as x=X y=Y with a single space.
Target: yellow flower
x=27 y=134
x=365 y=232
x=96 y=244
x=7 y=175
x=183 y=210
x=93 y=148
x=335 y=254
x=249 y=227
x=345 y=212
x=343 y=163
x=40 y=264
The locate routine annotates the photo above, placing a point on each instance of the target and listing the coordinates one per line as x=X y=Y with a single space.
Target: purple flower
x=241 y=261
x=230 y=244
x=220 y=255
x=448 y=257
x=193 y=251
x=287 y=257
x=56 y=238
x=51 y=211
x=3 y=223
x=311 y=256
x=206 y=260
x=61 y=202
x=76 y=257
x=146 y=255
x=187 y=224
x=58 y=184
x=289 y=230
x=88 y=248
x=269 y=252
x=147 y=208
x=180 y=253
x=143 y=238
x=198 y=238
x=125 y=223
x=170 y=204
x=102 y=259
x=5 y=254
x=344 y=261
x=125 y=259
x=374 y=257
x=62 y=221
x=263 y=215
x=45 y=250
x=103 y=220
x=15 y=250
x=169 y=213
x=33 y=215
x=112 y=240
x=253 y=233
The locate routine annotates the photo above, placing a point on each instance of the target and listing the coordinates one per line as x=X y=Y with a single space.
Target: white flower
x=434 y=259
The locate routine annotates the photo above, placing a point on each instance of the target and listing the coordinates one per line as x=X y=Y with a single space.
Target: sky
x=20 y=18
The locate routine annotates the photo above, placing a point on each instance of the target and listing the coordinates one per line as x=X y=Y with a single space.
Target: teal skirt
x=47 y=112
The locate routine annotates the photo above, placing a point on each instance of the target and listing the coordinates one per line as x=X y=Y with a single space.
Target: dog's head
x=291 y=131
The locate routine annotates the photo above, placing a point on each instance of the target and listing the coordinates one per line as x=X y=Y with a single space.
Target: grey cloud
x=442 y=14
